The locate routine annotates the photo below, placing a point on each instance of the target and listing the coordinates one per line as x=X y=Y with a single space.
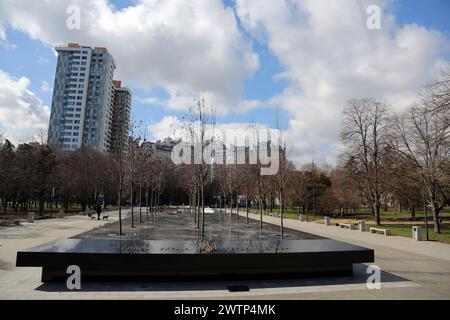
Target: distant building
x=83 y=99
x=162 y=148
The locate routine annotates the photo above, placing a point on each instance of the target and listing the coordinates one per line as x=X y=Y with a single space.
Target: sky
x=250 y=59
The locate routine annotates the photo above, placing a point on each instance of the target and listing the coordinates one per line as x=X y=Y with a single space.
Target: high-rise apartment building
x=121 y=118
x=83 y=99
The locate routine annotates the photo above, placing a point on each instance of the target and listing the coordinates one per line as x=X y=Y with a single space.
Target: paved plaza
x=410 y=270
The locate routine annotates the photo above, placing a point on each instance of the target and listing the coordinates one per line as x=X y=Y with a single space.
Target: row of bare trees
x=36 y=175
x=402 y=155
x=390 y=158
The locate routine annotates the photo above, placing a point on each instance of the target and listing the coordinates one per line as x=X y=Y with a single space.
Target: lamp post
x=313 y=195
x=424 y=203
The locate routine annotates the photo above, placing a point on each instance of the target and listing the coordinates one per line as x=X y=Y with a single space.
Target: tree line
x=389 y=158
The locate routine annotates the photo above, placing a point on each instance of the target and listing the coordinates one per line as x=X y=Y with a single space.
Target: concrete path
x=27 y=235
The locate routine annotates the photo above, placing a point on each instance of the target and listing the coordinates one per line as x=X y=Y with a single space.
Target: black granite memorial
x=124 y=260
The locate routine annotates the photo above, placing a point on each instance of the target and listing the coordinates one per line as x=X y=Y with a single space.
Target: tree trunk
x=376 y=208
x=140 y=203
x=132 y=206
x=146 y=201
x=197 y=209
x=237 y=206
x=120 y=203
x=260 y=214
x=246 y=206
x=437 y=225
x=281 y=213
x=203 y=212
x=151 y=200
x=193 y=202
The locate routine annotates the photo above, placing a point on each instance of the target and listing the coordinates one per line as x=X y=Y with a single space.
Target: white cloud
x=190 y=48
x=179 y=101
x=330 y=56
x=165 y=128
x=150 y=100
x=22 y=114
x=45 y=87
x=42 y=60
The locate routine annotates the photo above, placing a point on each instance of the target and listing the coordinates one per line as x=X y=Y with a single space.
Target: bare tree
x=422 y=135
x=364 y=134
x=199 y=125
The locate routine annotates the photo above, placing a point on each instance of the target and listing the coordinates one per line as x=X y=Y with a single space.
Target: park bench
x=375 y=230
x=346 y=225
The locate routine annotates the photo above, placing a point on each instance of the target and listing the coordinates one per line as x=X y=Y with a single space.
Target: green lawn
x=405 y=230
x=387 y=219
x=390 y=214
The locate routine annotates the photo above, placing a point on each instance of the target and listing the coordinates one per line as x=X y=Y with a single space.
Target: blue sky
x=34 y=59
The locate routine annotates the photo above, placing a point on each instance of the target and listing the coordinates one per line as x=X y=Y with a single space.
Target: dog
x=105 y=217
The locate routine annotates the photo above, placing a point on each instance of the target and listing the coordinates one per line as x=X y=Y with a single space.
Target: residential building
x=121 y=118
x=83 y=99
